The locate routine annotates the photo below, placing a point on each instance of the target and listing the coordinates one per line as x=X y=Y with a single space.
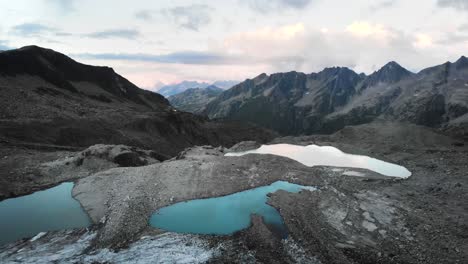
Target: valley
x=328 y=167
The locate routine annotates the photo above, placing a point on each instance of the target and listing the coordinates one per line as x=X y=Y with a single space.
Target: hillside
x=194 y=100
x=48 y=98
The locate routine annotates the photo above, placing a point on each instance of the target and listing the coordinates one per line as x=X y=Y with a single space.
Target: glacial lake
x=313 y=155
x=48 y=210
x=224 y=215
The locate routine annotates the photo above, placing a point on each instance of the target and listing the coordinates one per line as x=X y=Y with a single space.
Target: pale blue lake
x=223 y=215
x=48 y=210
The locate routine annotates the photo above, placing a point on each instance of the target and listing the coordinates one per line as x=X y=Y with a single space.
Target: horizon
x=173 y=41
x=210 y=83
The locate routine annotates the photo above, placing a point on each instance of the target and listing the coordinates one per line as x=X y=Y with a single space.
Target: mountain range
x=194 y=99
x=296 y=103
x=50 y=99
x=173 y=89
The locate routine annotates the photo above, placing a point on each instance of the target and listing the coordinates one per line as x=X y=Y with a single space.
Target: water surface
x=48 y=210
x=313 y=155
x=223 y=215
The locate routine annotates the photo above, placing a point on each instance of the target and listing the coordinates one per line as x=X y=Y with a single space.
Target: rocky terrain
x=324 y=102
x=195 y=99
x=129 y=153
x=50 y=99
x=368 y=219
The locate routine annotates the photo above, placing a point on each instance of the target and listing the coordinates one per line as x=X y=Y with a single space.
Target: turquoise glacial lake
x=224 y=215
x=48 y=210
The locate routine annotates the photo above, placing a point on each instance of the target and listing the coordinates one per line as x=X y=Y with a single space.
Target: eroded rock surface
x=33 y=170
x=349 y=219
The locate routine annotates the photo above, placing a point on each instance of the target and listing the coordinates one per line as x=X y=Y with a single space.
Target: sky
x=167 y=41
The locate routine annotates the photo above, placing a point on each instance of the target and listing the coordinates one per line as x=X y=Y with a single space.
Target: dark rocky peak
x=259 y=78
x=338 y=73
x=338 y=77
x=391 y=72
x=61 y=71
x=284 y=76
x=461 y=63
x=435 y=69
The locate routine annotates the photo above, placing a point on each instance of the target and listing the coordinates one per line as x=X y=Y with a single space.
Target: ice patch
x=313 y=155
x=41 y=234
x=165 y=248
x=62 y=248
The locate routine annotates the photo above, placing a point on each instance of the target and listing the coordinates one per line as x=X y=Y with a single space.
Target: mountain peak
x=461 y=63
x=393 y=66
x=63 y=72
x=390 y=73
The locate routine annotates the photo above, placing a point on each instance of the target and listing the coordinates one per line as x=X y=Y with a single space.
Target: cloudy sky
x=172 y=40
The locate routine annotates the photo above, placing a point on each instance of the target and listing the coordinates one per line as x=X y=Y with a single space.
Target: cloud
x=63 y=5
x=266 y=6
x=382 y=5
x=360 y=45
x=4 y=45
x=32 y=30
x=456 y=4
x=191 y=17
x=365 y=29
x=145 y=15
x=423 y=41
x=185 y=57
x=115 y=33
x=463 y=27
x=454 y=38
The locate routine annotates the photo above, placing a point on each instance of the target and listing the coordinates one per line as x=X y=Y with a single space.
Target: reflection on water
x=313 y=155
x=223 y=215
x=48 y=210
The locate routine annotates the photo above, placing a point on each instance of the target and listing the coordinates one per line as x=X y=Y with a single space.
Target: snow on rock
x=70 y=247
x=165 y=248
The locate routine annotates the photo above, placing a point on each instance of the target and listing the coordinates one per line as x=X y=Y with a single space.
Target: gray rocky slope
x=49 y=99
x=324 y=102
x=195 y=99
x=368 y=219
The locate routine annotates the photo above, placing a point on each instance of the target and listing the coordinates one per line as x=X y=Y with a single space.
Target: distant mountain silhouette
x=173 y=89
x=193 y=100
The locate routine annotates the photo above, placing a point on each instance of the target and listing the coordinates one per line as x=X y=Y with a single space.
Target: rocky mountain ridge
x=174 y=89
x=295 y=103
x=50 y=99
x=194 y=99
